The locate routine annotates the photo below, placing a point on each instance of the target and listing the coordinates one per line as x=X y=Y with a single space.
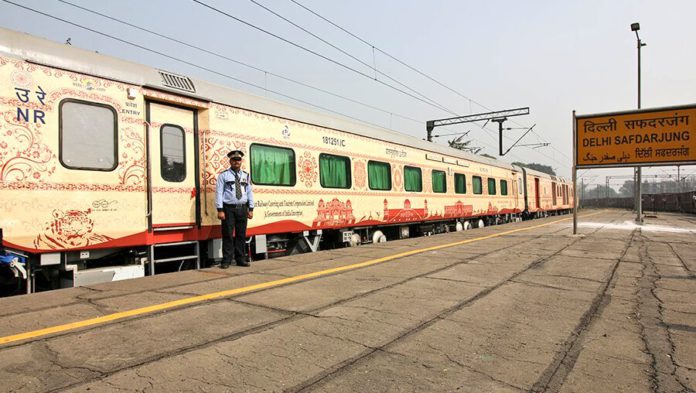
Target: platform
x=517 y=307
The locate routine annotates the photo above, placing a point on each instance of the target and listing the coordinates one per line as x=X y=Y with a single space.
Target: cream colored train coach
x=108 y=171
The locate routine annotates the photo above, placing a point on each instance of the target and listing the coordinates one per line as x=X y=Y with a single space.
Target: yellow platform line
x=237 y=291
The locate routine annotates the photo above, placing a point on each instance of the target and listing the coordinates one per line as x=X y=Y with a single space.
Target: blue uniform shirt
x=225 y=191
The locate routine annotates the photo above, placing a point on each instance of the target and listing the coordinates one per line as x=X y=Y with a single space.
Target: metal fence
x=684 y=202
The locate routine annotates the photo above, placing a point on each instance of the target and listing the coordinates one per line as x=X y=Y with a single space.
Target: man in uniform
x=234 y=200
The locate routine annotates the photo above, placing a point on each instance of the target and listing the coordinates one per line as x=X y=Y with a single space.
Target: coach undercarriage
x=25 y=273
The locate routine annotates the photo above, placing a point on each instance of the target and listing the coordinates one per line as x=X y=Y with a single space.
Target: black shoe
x=245 y=264
x=224 y=265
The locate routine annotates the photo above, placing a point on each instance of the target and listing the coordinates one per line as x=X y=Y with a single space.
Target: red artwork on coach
x=406 y=214
x=334 y=213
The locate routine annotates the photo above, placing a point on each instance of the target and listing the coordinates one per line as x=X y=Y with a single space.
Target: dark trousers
x=235 y=223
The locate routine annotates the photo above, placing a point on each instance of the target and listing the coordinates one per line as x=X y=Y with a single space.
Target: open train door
x=172 y=167
x=537 y=197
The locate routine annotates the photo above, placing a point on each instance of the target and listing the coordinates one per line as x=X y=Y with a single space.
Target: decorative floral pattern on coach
x=360 y=174
x=398 y=183
x=131 y=168
x=308 y=169
x=216 y=150
x=23 y=155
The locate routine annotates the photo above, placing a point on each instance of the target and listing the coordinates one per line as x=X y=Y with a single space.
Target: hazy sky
x=552 y=56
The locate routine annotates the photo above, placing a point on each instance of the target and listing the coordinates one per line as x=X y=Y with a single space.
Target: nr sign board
x=650 y=137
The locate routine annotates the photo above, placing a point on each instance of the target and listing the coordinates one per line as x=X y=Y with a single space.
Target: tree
x=457 y=143
x=583 y=190
x=602 y=192
x=537 y=167
x=626 y=189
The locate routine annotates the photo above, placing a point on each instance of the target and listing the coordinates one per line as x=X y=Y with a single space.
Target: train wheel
x=355 y=240
x=378 y=237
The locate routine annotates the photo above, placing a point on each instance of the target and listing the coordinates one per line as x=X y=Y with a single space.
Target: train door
x=172 y=166
x=537 y=197
x=554 y=192
x=515 y=193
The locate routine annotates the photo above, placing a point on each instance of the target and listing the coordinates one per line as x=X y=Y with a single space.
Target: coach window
x=413 y=179
x=491 y=186
x=273 y=166
x=87 y=136
x=334 y=171
x=478 y=185
x=379 y=175
x=503 y=187
x=173 y=153
x=459 y=183
x=439 y=182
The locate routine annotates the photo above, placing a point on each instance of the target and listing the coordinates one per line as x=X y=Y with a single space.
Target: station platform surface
x=518 y=307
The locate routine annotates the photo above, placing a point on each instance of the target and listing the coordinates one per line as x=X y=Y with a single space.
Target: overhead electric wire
x=194 y=65
x=415 y=69
x=205 y=68
x=338 y=63
x=351 y=56
x=328 y=59
x=210 y=52
x=186 y=62
x=490 y=133
x=385 y=53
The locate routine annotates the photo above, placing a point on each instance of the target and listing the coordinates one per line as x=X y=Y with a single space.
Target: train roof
x=49 y=53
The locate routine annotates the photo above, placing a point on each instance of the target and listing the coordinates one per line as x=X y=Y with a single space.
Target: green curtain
x=272 y=165
x=378 y=175
x=459 y=183
x=491 y=186
x=413 y=179
x=439 y=182
x=503 y=187
x=334 y=171
x=478 y=185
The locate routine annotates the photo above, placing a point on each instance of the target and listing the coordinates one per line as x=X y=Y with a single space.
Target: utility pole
x=679 y=188
x=639 y=199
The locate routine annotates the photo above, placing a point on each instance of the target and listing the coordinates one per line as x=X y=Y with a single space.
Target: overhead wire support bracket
x=463 y=133
x=498 y=116
x=519 y=139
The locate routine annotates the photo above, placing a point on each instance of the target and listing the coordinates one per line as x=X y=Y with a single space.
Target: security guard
x=234 y=200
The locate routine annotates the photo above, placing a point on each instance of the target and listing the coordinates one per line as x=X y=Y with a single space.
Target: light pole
x=639 y=198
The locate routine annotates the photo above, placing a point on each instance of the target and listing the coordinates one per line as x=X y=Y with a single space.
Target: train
x=108 y=171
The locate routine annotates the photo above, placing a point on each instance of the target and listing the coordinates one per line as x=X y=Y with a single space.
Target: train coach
x=108 y=171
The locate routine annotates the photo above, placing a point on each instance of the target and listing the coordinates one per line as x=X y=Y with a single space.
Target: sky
x=551 y=56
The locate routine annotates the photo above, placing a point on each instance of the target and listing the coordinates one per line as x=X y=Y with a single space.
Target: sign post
x=575 y=177
x=645 y=137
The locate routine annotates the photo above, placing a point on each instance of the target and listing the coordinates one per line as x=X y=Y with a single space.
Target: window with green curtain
x=272 y=165
x=439 y=181
x=459 y=183
x=478 y=185
x=491 y=186
x=413 y=179
x=379 y=175
x=334 y=171
x=503 y=187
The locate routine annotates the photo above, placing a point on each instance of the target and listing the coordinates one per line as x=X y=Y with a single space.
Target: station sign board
x=649 y=137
